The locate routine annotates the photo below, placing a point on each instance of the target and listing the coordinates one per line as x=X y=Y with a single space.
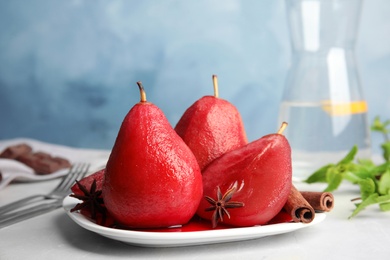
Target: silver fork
x=41 y=203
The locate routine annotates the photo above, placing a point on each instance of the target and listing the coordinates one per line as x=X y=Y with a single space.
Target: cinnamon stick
x=320 y=201
x=298 y=207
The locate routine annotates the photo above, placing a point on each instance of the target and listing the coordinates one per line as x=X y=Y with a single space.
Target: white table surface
x=55 y=236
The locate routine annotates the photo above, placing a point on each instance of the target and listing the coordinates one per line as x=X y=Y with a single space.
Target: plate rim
x=176 y=239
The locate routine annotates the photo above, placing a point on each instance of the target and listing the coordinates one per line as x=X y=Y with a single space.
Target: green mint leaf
x=366 y=162
x=319 y=175
x=386 y=151
x=352 y=177
x=373 y=179
x=377 y=125
x=383 y=198
x=334 y=178
x=350 y=156
x=384 y=183
x=362 y=170
x=381 y=127
x=385 y=206
x=367 y=188
x=380 y=169
x=366 y=202
x=370 y=200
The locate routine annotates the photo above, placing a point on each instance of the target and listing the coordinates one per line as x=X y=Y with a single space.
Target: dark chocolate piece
x=14 y=151
x=64 y=163
x=42 y=155
x=40 y=162
x=43 y=163
x=28 y=159
x=46 y=166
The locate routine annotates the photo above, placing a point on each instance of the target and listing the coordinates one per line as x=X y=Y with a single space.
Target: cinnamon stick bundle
x=320 y=201
x=298 y=207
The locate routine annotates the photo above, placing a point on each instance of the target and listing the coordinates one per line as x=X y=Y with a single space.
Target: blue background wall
x=68 y=69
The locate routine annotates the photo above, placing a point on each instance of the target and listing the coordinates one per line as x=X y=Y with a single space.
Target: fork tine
x=74 y=174
x=62 y=187
x=28 y=213
x=25 y=201
x=83 y=172
x=14 y=205
x=68 y=177
x=79 y=172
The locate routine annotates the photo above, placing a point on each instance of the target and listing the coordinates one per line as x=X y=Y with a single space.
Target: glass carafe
x=323 y=101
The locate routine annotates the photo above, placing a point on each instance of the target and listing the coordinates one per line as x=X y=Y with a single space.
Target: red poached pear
x=249 y=185
x=152 y=178
x=211 y=127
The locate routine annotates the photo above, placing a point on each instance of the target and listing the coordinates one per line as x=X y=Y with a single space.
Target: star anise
x=222 y=203
x=92 y=201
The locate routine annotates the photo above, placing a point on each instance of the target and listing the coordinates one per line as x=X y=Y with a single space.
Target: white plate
x=176 y=239
x=14 y=170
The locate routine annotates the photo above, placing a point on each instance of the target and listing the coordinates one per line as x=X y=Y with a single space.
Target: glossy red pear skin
x=211 y=127
x=263 y=171
x=152 y=178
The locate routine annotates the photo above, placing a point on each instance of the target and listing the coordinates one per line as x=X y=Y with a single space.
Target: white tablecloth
x=55 y=236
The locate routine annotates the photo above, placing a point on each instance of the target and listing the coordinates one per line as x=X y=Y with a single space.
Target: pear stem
x=282 y=127
x=141 y=91
x=215 y=83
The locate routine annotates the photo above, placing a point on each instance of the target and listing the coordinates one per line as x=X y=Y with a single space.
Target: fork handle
x=19 y=204
x=27 y=213
x=4 y=181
